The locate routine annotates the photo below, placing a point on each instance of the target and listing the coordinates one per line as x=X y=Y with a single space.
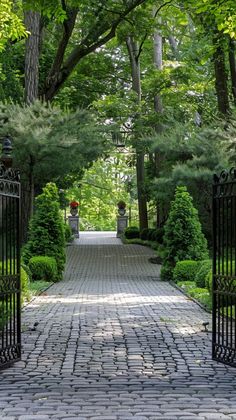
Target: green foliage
x=25 y=281
x=46 y=233
x=43 y=268
x=183 y=238
x=208 y=281
x=37 y=287
x=68 y=233
x=202 y=295
x=189 y=156
x=202 y=274
x=11 y=25
x=158 y=235
x=185 y=270
x=101 y=188
x=44 y=136
x=131 y=232
x=144 y=234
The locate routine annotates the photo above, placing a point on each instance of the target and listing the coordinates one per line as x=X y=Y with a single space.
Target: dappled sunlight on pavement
x=113 y=342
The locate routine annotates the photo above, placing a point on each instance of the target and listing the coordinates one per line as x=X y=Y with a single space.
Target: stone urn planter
x=121 y=205
x=74 y=208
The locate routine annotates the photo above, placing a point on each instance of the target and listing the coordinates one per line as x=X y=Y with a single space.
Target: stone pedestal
x=74 y=224
x=122 y=223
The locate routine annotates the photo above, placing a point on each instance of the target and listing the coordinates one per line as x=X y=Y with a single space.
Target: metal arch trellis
x=224 y=268
x=10 y=300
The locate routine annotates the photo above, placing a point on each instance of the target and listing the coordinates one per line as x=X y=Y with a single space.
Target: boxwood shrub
x=185 y=270
x=144 y=234
x=131 y=232
x=43 y=268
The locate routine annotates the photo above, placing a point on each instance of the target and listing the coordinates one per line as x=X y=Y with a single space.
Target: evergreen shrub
x=25 y=280
x=43 y=268
x=208 y=281
x=157 y=235
x=131 y=232
x=201 y=275
x=183 y=237
x=150 y=234
x=46 y=231
x=68 y=233
x=185 y=270
x=144 y=234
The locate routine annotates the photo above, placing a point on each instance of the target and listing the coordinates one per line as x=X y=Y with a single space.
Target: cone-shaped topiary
x=46 y=233
x=183 y=238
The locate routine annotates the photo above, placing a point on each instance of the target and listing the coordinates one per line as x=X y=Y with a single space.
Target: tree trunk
x=232 y=63
x=220 y=75
x=32 y=23
x=174 y=46
x=134 y=52
x=158 y=106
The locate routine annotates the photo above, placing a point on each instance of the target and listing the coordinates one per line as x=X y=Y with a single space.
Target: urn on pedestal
x=121 y=207
x=74 y=208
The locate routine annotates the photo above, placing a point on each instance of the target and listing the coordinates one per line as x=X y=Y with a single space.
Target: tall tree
x=32 y=23
x=95 y=25
x=134 y=55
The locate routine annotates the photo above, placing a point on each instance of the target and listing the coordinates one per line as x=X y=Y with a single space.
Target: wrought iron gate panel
x=224 y=268
x=10 y=299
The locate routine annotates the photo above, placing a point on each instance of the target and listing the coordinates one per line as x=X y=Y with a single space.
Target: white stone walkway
x=115 y=343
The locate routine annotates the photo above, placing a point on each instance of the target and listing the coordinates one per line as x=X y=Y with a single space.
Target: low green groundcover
x=200 y=294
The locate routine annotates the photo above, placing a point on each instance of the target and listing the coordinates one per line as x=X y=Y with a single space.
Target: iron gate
x=224 y=268
x=10 y=300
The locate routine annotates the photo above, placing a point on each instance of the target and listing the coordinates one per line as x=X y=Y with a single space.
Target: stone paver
x=115 y=343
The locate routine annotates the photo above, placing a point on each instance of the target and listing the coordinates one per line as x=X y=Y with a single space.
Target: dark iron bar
x=224 y=268
x=10 y=302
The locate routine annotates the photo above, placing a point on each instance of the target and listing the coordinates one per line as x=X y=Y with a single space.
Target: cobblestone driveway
x=115 y=343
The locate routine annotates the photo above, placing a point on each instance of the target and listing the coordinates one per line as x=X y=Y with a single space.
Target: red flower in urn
x=74 y=204
x=74 y=208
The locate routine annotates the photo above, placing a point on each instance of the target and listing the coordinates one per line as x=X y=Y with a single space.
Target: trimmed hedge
x=131 y=232
x=43 y=268
x=186 y=270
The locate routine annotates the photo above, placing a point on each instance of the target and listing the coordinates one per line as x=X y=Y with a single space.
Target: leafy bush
x=146 y=233
x=68 y=233
x=201 y=275
x=185 y=270
x=208 y=281
x=43 y=268
x=149 y=234
x=25 y=280
x=46 y=232
x=131 y=232
x=183 y=238
x=157 y=235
